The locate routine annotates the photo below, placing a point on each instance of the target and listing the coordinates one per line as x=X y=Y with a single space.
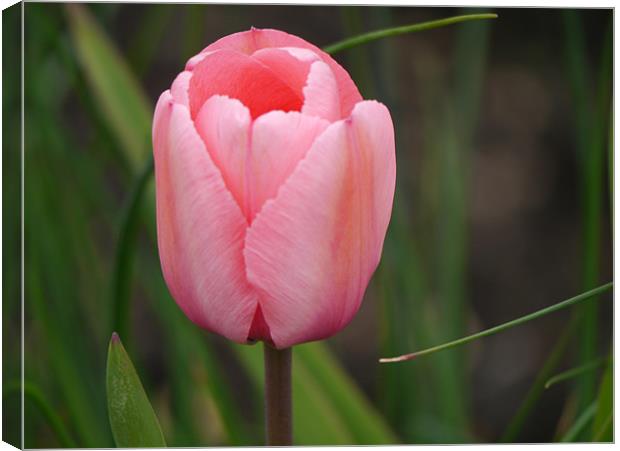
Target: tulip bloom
x=274 y=182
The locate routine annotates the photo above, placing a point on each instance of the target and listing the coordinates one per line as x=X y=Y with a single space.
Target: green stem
x=278 y=396
x=503 y=327
x=123 y=265
x=32 y=393
x=574 y=372
x=397 y=31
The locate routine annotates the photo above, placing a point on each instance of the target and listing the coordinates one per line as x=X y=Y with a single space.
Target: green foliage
x=132 y=418
x=602 y=428
x=125 y=107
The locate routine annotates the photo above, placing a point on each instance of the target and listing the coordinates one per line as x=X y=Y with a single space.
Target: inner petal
x=241 y=77
x=321 y=93
x=291 y=65
x=224 y=126
x=279 y=142
x=259 y=330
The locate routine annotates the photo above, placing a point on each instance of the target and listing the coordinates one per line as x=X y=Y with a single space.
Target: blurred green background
x=502 y=207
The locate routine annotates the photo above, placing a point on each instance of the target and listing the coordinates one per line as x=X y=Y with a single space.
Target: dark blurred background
x=502 y=207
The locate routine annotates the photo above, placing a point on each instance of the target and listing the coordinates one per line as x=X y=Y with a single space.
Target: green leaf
x=132 y=418
x=328 y=409
x=603 y=420
x=124 y=105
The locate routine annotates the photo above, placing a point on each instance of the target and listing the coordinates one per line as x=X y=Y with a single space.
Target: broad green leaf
x=602 y=429
x=132 y=418
x=123 y=103
x=327 y=406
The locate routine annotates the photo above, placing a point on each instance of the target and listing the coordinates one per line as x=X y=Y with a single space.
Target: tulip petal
x=239 y=76
x=224 y=126
x=321 y=93
x=279 y=141
x=180 y=88
x=312 y=250
x=250 y=41
x=200 y=228
x=291 y=70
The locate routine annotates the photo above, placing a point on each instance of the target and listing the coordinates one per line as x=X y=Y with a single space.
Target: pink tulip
x=275 y=182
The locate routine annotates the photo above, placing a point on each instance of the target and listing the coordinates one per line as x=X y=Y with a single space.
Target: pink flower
x=275 y=182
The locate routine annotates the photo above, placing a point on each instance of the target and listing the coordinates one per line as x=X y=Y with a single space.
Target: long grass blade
x=602 y=426
x=123 y=264
x=575 y=372
x=502 y=327
x=538 y=386
x=397 y=31
x=590 y=119
x=580 y=424
x=125 y=106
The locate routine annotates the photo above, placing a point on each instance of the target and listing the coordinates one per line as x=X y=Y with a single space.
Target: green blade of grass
x=397 y=31
x=502 y=327
x=450 y=111
x=132 y=418
x=538 y=387
x=590 y=125
x=364 y=422
x=602 y=426
x=575 y=372
x=54 y=265
x=34 y=395
x=147 y=39
x=113 y=85
x=580 y=424
x=123 y=265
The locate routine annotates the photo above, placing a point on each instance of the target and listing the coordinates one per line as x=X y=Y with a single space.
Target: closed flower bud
x=274 y=183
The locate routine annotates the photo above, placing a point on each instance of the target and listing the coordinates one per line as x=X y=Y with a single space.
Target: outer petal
x=224 y=126
x=200 y=228
x=250 y=41
x=279 y=141
x=180 y=88
x=312 y=250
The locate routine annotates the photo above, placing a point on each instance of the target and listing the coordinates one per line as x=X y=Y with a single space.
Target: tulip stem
x=278 y=398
